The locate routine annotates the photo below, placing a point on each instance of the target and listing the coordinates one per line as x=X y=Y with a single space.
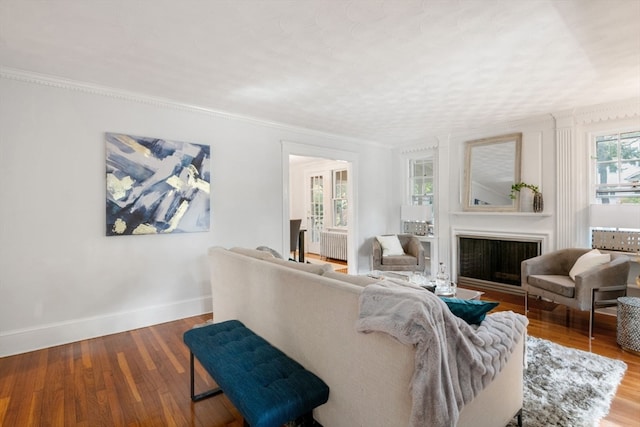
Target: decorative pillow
x=588 y=261
x=471 y=311
x=390 y=245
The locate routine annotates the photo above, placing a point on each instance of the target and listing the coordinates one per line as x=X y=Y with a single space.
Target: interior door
x=318 y=199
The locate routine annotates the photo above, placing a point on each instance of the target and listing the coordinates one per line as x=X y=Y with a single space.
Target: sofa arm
x=376 y=255
x=613 y=273
x=415 y=248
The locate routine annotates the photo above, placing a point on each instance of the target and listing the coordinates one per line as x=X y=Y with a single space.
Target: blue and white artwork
x=155 y=186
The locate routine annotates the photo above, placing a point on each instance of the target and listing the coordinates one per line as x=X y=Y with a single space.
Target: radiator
x=333 y=245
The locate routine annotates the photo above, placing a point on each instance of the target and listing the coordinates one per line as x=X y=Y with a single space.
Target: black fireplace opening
x=493 y=260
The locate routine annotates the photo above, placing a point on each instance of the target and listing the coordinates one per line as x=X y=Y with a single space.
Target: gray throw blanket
x=454 y=361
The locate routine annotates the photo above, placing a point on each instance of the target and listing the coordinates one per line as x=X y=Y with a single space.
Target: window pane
x=630 y=149
x=340 y=198
x=421 y=181
x=618 y=168
x=608 y=173
x=422 y=200
x=606 y=150
x=340 y=213
x=422 y=168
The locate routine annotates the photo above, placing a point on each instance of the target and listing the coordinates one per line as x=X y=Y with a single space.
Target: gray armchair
x=547 y=276
x=412 y=260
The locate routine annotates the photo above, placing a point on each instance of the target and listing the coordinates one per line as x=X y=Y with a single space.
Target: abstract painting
x=156 y=186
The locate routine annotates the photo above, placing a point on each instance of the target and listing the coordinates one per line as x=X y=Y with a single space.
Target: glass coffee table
x=461 y=293
x=467 y=294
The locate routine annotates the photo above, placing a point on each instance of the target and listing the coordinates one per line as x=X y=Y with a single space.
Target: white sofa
x=310 y=312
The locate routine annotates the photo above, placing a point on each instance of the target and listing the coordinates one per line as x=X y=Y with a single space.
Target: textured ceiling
x=394 y=71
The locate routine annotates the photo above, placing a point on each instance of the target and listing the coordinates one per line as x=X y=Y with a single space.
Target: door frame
x=298 y=149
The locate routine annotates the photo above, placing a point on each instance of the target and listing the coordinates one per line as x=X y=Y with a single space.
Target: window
x=421 y=181
x=617 y=168
x=340 y=198
x=316 y=214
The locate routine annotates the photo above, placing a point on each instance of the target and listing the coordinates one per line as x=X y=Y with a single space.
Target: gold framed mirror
x=492 y=166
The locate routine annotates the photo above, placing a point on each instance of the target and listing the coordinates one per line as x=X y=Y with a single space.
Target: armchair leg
x=610 y=301
x=526 y=302
x=592 y=310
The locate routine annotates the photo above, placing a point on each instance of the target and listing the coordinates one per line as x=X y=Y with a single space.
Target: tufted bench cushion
x=265 y=385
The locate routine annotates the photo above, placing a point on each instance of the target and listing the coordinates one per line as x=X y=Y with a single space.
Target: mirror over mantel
x=492 y=166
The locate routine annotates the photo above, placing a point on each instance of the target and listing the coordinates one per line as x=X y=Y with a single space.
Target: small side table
x=628 y=335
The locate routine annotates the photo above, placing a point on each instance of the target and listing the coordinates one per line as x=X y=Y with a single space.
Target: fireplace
x=493 y=262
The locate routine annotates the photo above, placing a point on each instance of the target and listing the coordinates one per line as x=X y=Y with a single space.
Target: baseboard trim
x=29 y=339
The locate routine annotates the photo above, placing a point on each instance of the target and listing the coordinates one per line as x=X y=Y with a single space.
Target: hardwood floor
x=135 y=378
x=141 y=377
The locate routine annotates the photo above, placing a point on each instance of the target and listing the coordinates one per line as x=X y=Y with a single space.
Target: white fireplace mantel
x=514 y=235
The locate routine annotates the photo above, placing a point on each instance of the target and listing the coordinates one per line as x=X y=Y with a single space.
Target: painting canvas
x=156 y=186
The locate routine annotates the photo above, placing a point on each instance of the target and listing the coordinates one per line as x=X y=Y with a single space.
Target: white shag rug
x=567 y=387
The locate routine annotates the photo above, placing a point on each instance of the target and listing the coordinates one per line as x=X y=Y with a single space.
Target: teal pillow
x=470 y=310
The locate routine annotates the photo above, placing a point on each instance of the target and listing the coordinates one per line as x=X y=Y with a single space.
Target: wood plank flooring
x=135 y=378
x=141 y=377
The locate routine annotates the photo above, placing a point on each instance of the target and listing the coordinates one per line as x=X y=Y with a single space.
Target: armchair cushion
x=390 y=245
x=588 y=261
x=399 y=260
x=558 y=284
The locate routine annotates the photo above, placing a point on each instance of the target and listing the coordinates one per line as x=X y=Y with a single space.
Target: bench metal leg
x=305 y=420
x=519 y=416
x=204 y=395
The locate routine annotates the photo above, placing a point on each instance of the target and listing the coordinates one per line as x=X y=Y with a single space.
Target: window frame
x=335 y=181
x=411 y=181
x=594 y=185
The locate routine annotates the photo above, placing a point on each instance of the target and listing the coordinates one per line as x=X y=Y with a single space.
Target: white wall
x=62 y=279
x=555 y=156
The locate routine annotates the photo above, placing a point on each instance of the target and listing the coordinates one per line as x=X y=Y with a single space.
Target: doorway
x=319 y=190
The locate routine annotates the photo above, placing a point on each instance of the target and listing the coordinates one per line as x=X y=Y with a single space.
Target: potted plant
x=537 y=195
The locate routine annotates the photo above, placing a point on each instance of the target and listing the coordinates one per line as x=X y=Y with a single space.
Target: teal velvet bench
x=265 y=385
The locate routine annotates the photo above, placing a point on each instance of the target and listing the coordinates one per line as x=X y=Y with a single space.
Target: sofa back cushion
x=253 y=253
x=354 y=280
x=555 y=283
x=309 y=268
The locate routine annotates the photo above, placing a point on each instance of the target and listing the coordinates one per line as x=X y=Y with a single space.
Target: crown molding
x=619 y=110
x=123 y=95
x=423 y=147
x=407 y=151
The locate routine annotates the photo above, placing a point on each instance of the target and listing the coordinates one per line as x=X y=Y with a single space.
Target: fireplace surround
x=491 y=260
